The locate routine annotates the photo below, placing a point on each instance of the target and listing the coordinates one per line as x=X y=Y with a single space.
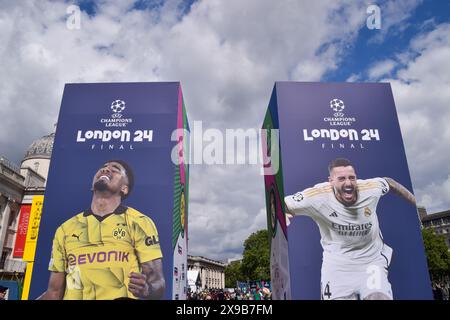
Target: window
x=12 y=218
x=3 y=259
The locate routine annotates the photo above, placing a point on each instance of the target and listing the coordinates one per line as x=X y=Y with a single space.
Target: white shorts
x=340 y=282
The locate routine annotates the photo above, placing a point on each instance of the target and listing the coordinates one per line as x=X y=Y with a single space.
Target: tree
x=256 y=257
x=438 y=257
x=232 y=274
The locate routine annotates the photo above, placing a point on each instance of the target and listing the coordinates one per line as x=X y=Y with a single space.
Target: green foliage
x=438 y=257
x=256 y=258
x=233 y=274
x=255 y=264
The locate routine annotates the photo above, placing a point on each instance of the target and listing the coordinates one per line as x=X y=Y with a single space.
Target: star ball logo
x=117 y=106
x=337 y=105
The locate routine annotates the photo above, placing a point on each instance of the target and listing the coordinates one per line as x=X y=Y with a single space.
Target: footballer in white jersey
x=355 y=257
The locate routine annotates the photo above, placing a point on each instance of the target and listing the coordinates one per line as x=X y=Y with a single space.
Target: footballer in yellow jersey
x=97 y=254
x=344 y=209
x=108 y=251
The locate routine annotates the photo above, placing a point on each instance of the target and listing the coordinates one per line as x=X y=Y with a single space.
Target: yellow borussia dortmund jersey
x=98 y=253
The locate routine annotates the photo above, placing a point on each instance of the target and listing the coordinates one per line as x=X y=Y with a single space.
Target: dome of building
x=41 y=148
x=38 y=156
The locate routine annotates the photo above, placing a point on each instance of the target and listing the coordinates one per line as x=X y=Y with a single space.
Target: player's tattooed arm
x=149 y=284
x=400 y=190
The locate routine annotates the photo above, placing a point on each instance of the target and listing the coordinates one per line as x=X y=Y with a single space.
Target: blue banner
x=124 y=127
x=356 y=238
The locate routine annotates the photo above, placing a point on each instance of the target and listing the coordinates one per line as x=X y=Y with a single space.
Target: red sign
x=21 y=235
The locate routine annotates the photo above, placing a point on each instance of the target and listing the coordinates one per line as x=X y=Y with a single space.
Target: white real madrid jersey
x=349 y=235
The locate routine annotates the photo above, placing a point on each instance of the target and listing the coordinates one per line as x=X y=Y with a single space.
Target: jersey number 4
x=327 y=292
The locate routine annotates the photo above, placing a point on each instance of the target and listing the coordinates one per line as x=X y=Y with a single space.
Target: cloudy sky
x=227 y=55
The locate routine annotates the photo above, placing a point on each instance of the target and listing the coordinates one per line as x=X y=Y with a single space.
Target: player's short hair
x=129 y=173
x=3 y=289
x=339 y=162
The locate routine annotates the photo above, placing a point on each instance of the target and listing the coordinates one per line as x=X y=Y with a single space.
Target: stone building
x=439 y=221
x=211 y=272
x=18 y=185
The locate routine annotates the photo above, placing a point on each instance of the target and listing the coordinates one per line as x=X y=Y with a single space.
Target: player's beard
x=101 y=185
x=342 y=197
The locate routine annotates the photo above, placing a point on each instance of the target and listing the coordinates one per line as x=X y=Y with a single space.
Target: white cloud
x=435 y=196
x=380 y=69
x=227 y=55
x=225 y=208
x=394 y=17
x=353 y=78
x=422 y=95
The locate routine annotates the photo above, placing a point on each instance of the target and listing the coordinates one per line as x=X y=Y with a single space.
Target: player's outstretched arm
x=56 y=287
x=400 y=190
x=149 y=284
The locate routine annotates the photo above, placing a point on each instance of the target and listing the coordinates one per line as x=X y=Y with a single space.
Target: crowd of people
x=230 y=294
x=441 y=289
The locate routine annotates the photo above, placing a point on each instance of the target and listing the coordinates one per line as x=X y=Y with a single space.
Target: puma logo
x=77 y=236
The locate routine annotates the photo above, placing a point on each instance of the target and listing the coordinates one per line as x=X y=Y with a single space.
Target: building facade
x=212 y=272
x=18 y=185
x=11 y=194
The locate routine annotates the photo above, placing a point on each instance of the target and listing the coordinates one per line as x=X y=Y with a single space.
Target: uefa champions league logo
x=339 y=118
x=337 y=106
x=117 y=106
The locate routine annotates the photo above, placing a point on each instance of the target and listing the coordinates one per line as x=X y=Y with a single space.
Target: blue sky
x=227 y=55
x=365 y=51
x=361 y=54
x=91 y=6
